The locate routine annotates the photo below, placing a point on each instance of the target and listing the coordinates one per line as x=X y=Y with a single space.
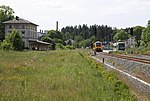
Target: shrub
x=6 y=45
x=59 y=46
x=13 y=41
x=70 y=47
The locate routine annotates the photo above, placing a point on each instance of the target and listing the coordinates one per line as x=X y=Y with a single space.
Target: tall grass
x=57 y=76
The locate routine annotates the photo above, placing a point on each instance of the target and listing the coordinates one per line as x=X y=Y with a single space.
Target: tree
x=76 y=44
x=82 y=43
x=46 y=39
x=6 y=45
x=146 y=36
x=78 y=38
x=148 y=23
x=68 y=42
x=66 y=36
x=13 y=41
x=92 y=39
x=121 y=35
x=87 y=43
x=137 y=32
x=54 y=34
x=59 y=41
x=6 y=13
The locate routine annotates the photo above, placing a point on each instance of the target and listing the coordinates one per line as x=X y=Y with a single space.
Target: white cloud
x=72 y=8
x=123 y=7
x=50 y=4
x=58 y=5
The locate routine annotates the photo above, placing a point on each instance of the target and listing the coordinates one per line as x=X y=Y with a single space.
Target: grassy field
x=57 y=76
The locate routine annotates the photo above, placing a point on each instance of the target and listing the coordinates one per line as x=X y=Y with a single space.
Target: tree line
x=84 y=35
x=80 y=36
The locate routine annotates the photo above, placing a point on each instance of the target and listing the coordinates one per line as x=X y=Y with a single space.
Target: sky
x=114 y=13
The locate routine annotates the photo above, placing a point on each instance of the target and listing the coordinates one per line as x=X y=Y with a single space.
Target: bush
x=62 y=47
x=6 y=46
x=13 y=41
x=70 y=47
x=59 y=46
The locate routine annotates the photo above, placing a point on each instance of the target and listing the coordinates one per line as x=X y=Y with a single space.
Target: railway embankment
x=137 y=74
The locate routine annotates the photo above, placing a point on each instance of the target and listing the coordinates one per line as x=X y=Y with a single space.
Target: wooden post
x=103 y=60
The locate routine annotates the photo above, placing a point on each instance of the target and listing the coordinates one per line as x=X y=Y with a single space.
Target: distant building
x=131 y=42
x=46 y=31
x=41 y=33
x=28 y=31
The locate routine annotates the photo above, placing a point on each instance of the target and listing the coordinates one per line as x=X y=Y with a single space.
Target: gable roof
x=19 y=21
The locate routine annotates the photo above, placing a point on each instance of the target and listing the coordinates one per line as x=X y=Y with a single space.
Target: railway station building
x=28 y=31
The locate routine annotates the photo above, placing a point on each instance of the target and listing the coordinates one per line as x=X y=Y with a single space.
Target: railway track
x=147 y=61
x=141 y=85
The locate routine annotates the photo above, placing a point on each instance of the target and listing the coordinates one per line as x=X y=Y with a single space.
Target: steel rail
x=147 y=61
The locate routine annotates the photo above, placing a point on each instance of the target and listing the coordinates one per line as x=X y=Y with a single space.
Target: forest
x=84 y=35
x=81 y=36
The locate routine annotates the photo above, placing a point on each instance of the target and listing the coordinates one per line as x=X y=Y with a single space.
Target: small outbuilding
x=38 y=45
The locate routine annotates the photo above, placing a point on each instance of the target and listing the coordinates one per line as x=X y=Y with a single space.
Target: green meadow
x=69 y=75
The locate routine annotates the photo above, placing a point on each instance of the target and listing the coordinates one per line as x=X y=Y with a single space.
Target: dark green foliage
x=6 y=45
x=84 y=35
x=148 y=23
x=54 y=34
x=137 y=32
x=13 y=41
x=146 y=36
x=85 y=43
x=6 y=13
x=69 y=47
x=53 y=37
x=46 y=39
x=62 y=47
x=68 y=42
x=121 y=35
x=59 y=46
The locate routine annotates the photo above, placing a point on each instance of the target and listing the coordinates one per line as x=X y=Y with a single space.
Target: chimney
x=56 y=25
x=17 y=18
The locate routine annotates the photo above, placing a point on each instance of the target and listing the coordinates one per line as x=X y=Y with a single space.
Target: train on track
x=120 y=45
x=97 y=46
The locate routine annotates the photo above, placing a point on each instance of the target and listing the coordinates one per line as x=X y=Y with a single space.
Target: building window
x=23 y=26
x=32 y=35
x=23 y=33
x=16 y=26
x=10 y=26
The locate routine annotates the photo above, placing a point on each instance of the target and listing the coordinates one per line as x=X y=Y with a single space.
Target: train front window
x=122 y=45
x=98 y=44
